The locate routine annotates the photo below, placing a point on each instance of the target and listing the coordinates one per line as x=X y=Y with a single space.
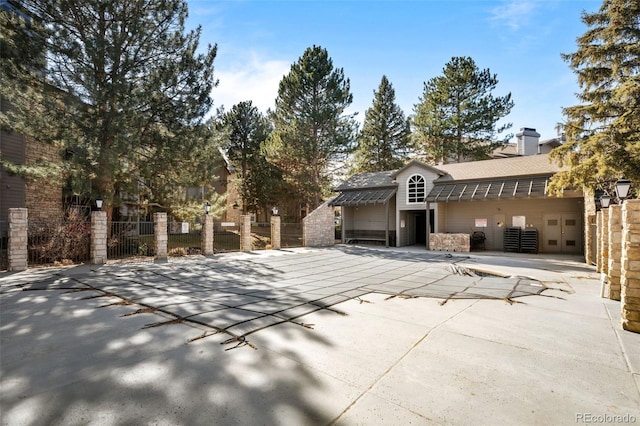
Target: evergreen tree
x=384 y=143
x=123 y=92
x=258 y=181
x=457 y=115
x=310 y=127
x=603 y=131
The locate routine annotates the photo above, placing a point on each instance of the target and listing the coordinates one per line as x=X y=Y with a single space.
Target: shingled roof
x=368 y=180
x=530 y=165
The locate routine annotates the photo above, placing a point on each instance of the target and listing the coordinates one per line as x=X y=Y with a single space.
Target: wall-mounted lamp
x=274 y=210
x=207 y=208
x=99 y=202
x=605 y=200
x=622 y=188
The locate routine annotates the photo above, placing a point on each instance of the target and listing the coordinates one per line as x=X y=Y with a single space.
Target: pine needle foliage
x=603 y=129
x=456 y=117
x=311 y=128
x=384 y=142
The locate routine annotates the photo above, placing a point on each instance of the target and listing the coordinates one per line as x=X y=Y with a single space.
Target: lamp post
x=207 y=208
x=99 y=202
x=605 y=200
x=274 y=211
x=622 y=188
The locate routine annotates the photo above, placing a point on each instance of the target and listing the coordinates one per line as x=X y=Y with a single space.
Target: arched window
x=416 y=189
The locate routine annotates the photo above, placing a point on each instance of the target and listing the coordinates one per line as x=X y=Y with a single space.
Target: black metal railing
x=4 y=243
x=260 y=235
x=226 y=237
x=290 y=235
x=184 y=238
x=54 y=241
x=130 y=239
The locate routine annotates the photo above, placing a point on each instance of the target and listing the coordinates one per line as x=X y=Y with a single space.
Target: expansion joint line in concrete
x=622 y=349
x=397 y=362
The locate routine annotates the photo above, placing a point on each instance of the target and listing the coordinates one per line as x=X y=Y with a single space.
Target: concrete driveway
x=346 y=335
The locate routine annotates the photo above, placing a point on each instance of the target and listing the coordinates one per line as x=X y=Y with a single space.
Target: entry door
x=562 y=233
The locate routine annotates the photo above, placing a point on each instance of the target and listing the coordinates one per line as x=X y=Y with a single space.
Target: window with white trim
x=416 y=189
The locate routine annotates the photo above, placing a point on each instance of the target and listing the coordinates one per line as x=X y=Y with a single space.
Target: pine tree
x=258 y=180
x=457 y=115
x=384 y=143
x=310 y=127
x=124 y=93
x=603 y=130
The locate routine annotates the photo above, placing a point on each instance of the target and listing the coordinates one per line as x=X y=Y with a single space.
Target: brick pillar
x=275 y=232
x=98 y=237
x=18 y=234
x=207 y=235
x=245 y=233
x=615 y=251
x=160 y=235
x=630 y=276
x=599 y=233
x=604 y=253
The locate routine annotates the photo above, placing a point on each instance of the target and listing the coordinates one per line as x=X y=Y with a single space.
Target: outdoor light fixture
x=274 y=210
x=207 y=208
x=622 y=188
x=605 y=200
x=99 y=202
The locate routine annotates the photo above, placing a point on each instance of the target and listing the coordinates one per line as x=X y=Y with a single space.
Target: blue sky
x=408 y=41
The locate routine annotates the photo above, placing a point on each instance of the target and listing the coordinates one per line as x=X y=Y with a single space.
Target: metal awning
x=490 y=189
x=361 y=197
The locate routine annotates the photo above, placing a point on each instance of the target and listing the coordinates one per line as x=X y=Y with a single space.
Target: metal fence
x=291 y=235
x=260 y=235
x=129 y=239
x=226 y=237
x=184 y=238
x=54 y=241
x=4 y=241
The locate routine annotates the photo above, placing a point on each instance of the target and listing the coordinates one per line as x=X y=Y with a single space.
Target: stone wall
x=245 y=233
x=43 y=197
x=630 y=274
x=318 y=228
x=18 y=237
x=275 y=232
x=615 y=251
x=450 y=242
x=206 y=236
x=98 y=237
x=160 y=235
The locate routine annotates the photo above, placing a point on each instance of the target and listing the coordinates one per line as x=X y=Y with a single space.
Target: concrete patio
x=345 y=335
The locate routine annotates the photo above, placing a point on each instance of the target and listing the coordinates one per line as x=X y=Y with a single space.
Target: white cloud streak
x=514 y=14
x=255 y=79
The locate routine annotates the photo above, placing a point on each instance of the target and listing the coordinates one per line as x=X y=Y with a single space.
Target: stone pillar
x=599 y=233
x=18 y=237
x=245 y=233
x=589 y=255
x=275 y=232
x=630 y=276
x=98 y=237
x=160 y=235
x=604 y=253
x=615 y=251
x=207 y=235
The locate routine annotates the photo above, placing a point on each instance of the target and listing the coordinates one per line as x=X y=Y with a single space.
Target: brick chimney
x=528 y=140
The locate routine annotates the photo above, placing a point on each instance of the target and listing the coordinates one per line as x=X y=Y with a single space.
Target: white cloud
x=513 y=14
x=252 y=79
